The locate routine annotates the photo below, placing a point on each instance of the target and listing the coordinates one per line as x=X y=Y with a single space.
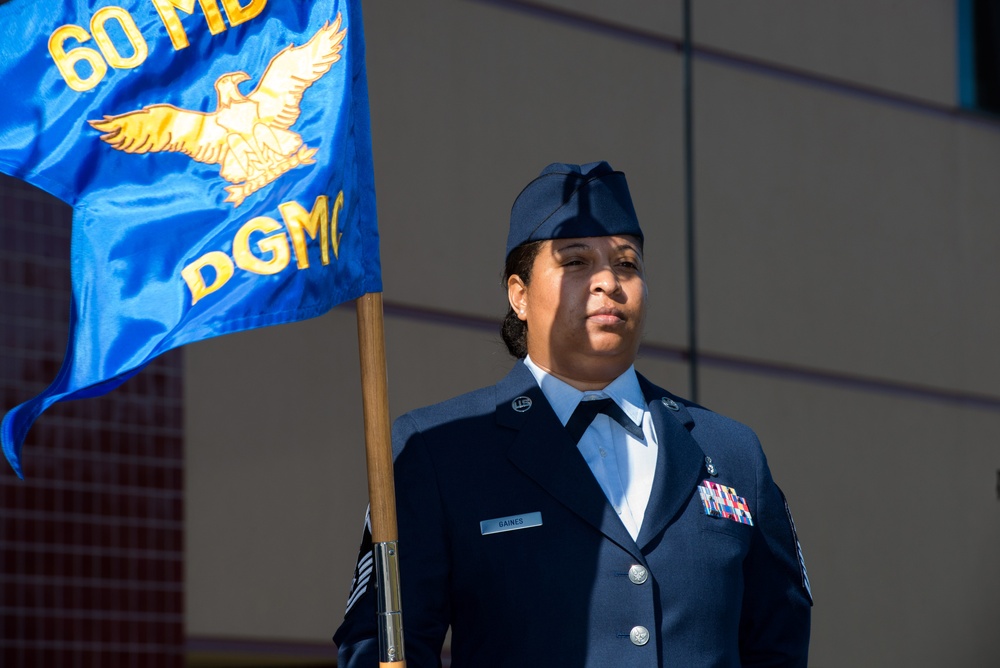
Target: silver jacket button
x=639 y=635
x=637 y=574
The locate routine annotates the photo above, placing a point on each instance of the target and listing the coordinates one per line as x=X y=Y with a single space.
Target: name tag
x=512 y=523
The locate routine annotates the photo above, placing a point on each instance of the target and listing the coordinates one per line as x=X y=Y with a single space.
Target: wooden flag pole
x=381 y=490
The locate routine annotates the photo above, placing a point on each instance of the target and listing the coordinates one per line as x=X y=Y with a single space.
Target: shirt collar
x=563 y=397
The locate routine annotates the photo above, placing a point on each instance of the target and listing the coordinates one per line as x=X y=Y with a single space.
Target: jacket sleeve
x=424 y=565
x=775 y=620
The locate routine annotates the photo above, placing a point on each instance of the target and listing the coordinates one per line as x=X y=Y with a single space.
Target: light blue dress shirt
x=622 y=464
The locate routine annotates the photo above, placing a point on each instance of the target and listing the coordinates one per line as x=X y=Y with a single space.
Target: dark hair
x=514 y=330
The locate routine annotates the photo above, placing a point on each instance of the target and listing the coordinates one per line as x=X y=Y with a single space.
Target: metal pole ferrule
x=390 y=617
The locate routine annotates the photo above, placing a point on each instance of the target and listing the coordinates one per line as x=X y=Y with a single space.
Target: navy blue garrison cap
x=568 y=201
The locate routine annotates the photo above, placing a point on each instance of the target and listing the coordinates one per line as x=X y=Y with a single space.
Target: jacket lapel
x=679 y=464
x=543 y=451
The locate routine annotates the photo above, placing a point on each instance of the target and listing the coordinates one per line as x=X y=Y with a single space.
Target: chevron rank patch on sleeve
x=363 y=570
x=798 y=550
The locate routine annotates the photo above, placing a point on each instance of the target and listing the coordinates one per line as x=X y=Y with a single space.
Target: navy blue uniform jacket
x=718 y=592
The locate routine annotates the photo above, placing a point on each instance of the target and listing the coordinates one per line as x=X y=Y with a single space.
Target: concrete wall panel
x=836 y=232
x=903 y=47
x=275 y=483
x=649 y=17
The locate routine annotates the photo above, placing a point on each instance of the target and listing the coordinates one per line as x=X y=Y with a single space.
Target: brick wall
x=91 y=542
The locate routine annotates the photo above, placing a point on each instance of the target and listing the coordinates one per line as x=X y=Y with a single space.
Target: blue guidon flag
x=217 y=154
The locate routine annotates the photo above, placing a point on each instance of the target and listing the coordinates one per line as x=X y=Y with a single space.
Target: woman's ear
x=517 y=295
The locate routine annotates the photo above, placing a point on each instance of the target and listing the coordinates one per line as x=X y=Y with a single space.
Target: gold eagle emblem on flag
x=248 y=135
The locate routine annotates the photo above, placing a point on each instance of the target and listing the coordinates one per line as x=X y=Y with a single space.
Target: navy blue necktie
x=586 y=411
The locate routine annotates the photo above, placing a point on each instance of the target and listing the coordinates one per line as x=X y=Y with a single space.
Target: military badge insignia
x=798 y=550
x=365 y=566
x=247 y=135
x=721 y=501
x=521 y=404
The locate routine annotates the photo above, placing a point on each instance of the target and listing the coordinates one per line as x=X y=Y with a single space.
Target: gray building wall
x=846 y=233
